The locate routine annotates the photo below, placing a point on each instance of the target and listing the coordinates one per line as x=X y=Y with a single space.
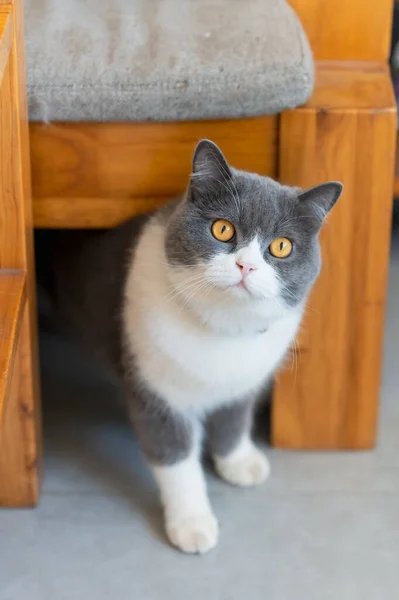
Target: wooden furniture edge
x=353 y=86
x=396 y=180
x=12 y=303
x=91 y=212
x=21 y=437
x=6 y=28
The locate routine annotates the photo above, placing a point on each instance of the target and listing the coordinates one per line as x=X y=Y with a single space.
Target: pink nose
x=245 y=267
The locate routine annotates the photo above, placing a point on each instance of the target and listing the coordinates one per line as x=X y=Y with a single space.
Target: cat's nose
x=245 y=267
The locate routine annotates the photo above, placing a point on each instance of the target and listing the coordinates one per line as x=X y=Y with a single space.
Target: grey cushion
x=117 y=60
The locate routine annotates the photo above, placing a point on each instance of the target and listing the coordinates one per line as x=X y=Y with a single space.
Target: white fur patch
x=245 y=466
x=190 y=524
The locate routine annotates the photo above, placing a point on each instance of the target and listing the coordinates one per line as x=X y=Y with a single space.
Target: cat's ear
x=210 y=172
x=321 y=198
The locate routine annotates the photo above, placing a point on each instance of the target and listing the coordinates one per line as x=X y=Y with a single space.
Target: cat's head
x=246 y=237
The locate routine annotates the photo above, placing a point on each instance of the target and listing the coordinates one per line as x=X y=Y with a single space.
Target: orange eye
x=223 y=230
x=281 y=247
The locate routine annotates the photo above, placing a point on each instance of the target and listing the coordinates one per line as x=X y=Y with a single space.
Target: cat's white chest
x=188 y=364
x=196 y=368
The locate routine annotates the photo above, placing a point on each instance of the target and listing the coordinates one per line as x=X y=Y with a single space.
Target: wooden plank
x=16 y=246
x=12 y=484
x=91 y=213
x=18 y=487
x=5 y=40
x=346 y=85
x=98 y=174
x=347 y=29
x=11 y=233
x=12 y=299
x=331 y=401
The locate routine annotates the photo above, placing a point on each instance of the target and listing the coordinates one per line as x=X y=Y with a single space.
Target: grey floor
x=324 y=526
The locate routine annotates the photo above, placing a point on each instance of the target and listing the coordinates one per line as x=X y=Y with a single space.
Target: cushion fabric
x=139 y=60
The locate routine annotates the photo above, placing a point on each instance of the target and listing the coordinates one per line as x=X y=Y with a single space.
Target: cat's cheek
x=222 y=271
x=264 y=282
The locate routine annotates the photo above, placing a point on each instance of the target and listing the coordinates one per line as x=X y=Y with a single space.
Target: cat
x=194 y=307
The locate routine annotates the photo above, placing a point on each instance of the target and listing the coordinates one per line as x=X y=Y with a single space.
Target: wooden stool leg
x=330 y=401
x=19 y=434
x=20 y=422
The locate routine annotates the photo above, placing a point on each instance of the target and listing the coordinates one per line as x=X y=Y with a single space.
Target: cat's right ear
x=210 y=171
x=321 y=199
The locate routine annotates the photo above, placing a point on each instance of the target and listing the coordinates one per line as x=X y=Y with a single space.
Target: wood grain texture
x=18 y=466
x=16 y=252
x=331 y=401
x=98 y=174
x=5 y=40
x=396 y=181
x=347 y=29
x=91 y=213
x=351 y=85
x=12 y=489
x=17 y=486
x=12 y=299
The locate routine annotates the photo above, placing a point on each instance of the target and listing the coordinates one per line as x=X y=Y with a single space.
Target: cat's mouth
x=245 y=290
x=240 y=287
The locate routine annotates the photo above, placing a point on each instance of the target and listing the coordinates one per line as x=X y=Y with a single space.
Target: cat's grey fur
x=90 y=279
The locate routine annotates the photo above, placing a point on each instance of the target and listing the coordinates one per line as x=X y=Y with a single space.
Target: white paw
x=197 y=534
x=245 y=470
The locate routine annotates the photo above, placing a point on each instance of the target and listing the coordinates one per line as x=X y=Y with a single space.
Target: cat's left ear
x=210 y=172
x=321 y=198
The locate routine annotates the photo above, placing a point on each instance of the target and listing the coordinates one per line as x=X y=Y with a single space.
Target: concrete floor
x=325 y=526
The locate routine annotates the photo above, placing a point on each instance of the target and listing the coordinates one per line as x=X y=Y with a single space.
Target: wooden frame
x=20 y=422
x=347 y=29
x=98 y=174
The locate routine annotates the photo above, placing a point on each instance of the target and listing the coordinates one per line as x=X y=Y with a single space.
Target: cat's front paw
x=244 y=470
x=196 y=535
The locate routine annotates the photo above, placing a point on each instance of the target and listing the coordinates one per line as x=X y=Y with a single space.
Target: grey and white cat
x=195 y=306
